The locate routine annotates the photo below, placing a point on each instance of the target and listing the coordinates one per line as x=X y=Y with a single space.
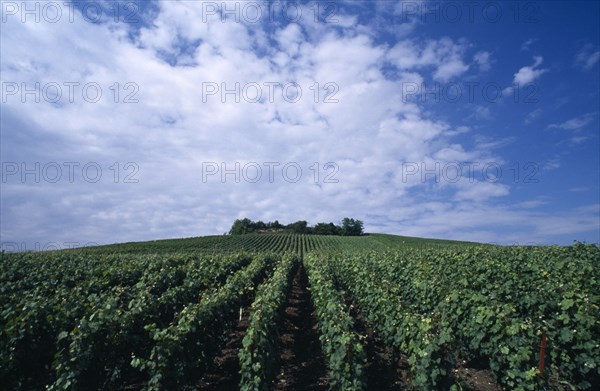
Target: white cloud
x=483 y=60
x=481 y=190
x=578 y=139
x=576 y=123
x=525 y=46
x=448 y=70
x=455 y=153
x=552 y=164
x=528 y=74
x=445 y=55
x=464 y=221
x=587 y=57
x=485 y=143
x=533 y=115
x=290 y=39
x=532 y=204
x=480 y=113
x=171 y=131
x=459 y=130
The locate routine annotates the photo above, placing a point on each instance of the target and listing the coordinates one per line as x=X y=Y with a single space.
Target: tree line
x=348 y=227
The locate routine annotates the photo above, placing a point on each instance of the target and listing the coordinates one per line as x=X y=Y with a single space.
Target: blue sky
x=126 y=121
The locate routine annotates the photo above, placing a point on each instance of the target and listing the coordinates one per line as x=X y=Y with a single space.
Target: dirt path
x=226 y=374
x=303 y=365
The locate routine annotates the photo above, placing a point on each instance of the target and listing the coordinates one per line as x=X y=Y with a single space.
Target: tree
x=326 y=229
x=299 y=227
x=334 y=229
x=241 y=227
x=259 y=225
x=275 y=225
x=351 y=227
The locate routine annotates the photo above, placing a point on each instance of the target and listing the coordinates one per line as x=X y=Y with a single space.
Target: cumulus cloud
x=202 y=121
x=175 y=128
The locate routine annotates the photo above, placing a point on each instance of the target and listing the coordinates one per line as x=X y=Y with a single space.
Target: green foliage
x=399 y=327
x=259 y=352
x=299 y=227
x=43 y=295
x=241 y=227
x=188 y=344
x=401 y=242
x=99 y=349
x=351 y=227
x=342 y=346
x=326 y=229
x=441 y=305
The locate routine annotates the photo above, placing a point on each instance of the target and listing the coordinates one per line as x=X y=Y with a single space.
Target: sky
x=140 y=120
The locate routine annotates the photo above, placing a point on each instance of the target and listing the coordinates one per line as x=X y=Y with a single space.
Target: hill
x=276 y=242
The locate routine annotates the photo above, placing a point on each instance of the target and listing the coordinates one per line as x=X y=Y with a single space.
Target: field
x=293 y=312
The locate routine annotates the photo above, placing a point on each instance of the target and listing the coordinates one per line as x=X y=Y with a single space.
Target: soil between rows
x=302 y=365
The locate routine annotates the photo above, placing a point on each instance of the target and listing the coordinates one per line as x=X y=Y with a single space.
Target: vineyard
x=288 y=312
